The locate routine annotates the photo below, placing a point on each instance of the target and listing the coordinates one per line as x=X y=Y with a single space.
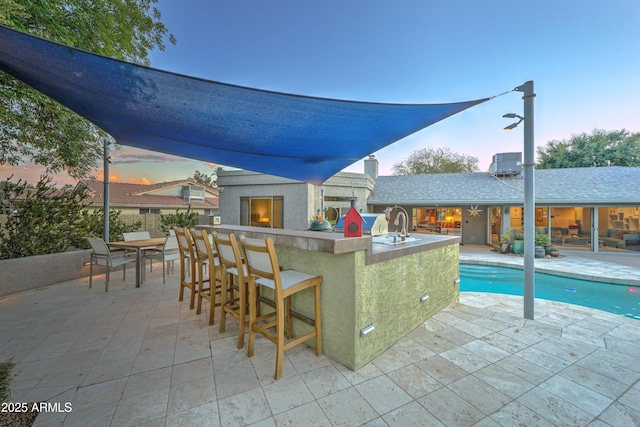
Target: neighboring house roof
x=612 y=185
x=148 y=195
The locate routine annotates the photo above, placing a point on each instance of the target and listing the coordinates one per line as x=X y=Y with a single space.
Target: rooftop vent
x=506 y=164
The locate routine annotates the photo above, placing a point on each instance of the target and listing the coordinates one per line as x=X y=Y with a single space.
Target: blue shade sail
x=299 y=137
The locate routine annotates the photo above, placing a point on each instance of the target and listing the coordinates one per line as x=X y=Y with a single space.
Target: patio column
x=529 y=201
x=106 y=191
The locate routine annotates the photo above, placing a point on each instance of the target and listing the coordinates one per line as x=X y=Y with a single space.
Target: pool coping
x=554 y=272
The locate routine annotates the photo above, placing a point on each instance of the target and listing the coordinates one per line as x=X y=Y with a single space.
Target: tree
x=93 y=226
x=45 y=219
x=34 y=127
x=600 y=148
x=207 y=180
x=186 y=219
x=435 y=160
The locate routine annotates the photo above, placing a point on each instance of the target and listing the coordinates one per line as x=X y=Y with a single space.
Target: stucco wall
x=338 y=298
x=20 y=274
x=386 y=294
x=389 y=296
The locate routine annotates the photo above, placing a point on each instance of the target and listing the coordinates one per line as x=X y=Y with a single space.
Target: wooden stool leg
x=223 y=299
x=194 y=286
x=242 y=310
x=318 y=321
x=287 y=302
x=212 y=308
x=280 y=320
x=199 y=307
x=252 y=316
x=183 y=278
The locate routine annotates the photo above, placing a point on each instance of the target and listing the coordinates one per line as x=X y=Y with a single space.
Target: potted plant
x=518 y=242
x=541 y=241
x=554 y=252
x=505 y=242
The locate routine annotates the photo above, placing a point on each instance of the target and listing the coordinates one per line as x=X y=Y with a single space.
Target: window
x=262 y=211
x=149 y=211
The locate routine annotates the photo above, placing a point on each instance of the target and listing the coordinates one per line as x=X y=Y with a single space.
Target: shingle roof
x=126 y=194
x=613 y=185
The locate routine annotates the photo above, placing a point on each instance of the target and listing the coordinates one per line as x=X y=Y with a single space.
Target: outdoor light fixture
x=424 y=297
x=513 y=116
x=367 y=329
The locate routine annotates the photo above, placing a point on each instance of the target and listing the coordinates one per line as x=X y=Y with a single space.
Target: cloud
x=112 y=175
x=31 y=173
x=134 y=155
x=142 y=180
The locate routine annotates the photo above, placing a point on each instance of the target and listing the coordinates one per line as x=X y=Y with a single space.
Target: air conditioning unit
x=506 y=164
x=193 y=192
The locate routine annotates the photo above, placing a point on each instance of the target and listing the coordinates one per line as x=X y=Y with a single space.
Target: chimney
x=371 y=167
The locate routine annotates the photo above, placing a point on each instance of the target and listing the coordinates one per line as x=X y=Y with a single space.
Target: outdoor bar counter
x=394 y=287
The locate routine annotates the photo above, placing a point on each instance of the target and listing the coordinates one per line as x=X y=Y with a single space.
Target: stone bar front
x=386 y=288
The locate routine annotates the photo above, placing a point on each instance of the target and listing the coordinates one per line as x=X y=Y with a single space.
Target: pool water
x=618 y=299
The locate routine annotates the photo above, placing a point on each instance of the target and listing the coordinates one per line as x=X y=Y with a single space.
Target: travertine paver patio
x=139 y=357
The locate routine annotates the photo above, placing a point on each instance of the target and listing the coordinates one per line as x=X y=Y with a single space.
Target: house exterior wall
x=461 y=192
x=345 y=186
x=238 y=184
x=301 y=200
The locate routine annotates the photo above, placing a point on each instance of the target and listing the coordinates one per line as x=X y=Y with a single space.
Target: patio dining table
x=139 y=246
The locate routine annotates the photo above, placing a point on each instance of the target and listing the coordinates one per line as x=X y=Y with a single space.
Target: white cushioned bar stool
x=233 y=272
x=264 y=270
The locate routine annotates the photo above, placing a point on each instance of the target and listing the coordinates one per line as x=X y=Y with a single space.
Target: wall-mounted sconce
x=367 y=329
x=424 y=297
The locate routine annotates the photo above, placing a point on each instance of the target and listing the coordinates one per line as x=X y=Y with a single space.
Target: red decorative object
x=353 y=223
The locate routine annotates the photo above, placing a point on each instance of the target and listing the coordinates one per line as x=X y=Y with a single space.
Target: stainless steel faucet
x=403 y=229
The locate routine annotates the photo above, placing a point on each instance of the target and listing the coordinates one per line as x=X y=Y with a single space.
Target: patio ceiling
x=299 y=137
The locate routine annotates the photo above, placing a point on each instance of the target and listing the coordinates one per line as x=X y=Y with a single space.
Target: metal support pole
x=529 y=200
x=106 y=192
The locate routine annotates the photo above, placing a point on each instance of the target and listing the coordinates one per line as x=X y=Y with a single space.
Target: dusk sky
x=583 y=57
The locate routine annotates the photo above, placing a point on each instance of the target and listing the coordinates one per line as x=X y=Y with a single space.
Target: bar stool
x=185 y=246
x=263 y=270
x=234 y=282
x=207 y=260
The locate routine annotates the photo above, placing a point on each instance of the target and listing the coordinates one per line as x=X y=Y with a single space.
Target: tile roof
x=613 y=185
x=126 y=194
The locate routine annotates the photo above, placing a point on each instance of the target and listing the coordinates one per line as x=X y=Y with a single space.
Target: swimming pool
x=618 y=299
